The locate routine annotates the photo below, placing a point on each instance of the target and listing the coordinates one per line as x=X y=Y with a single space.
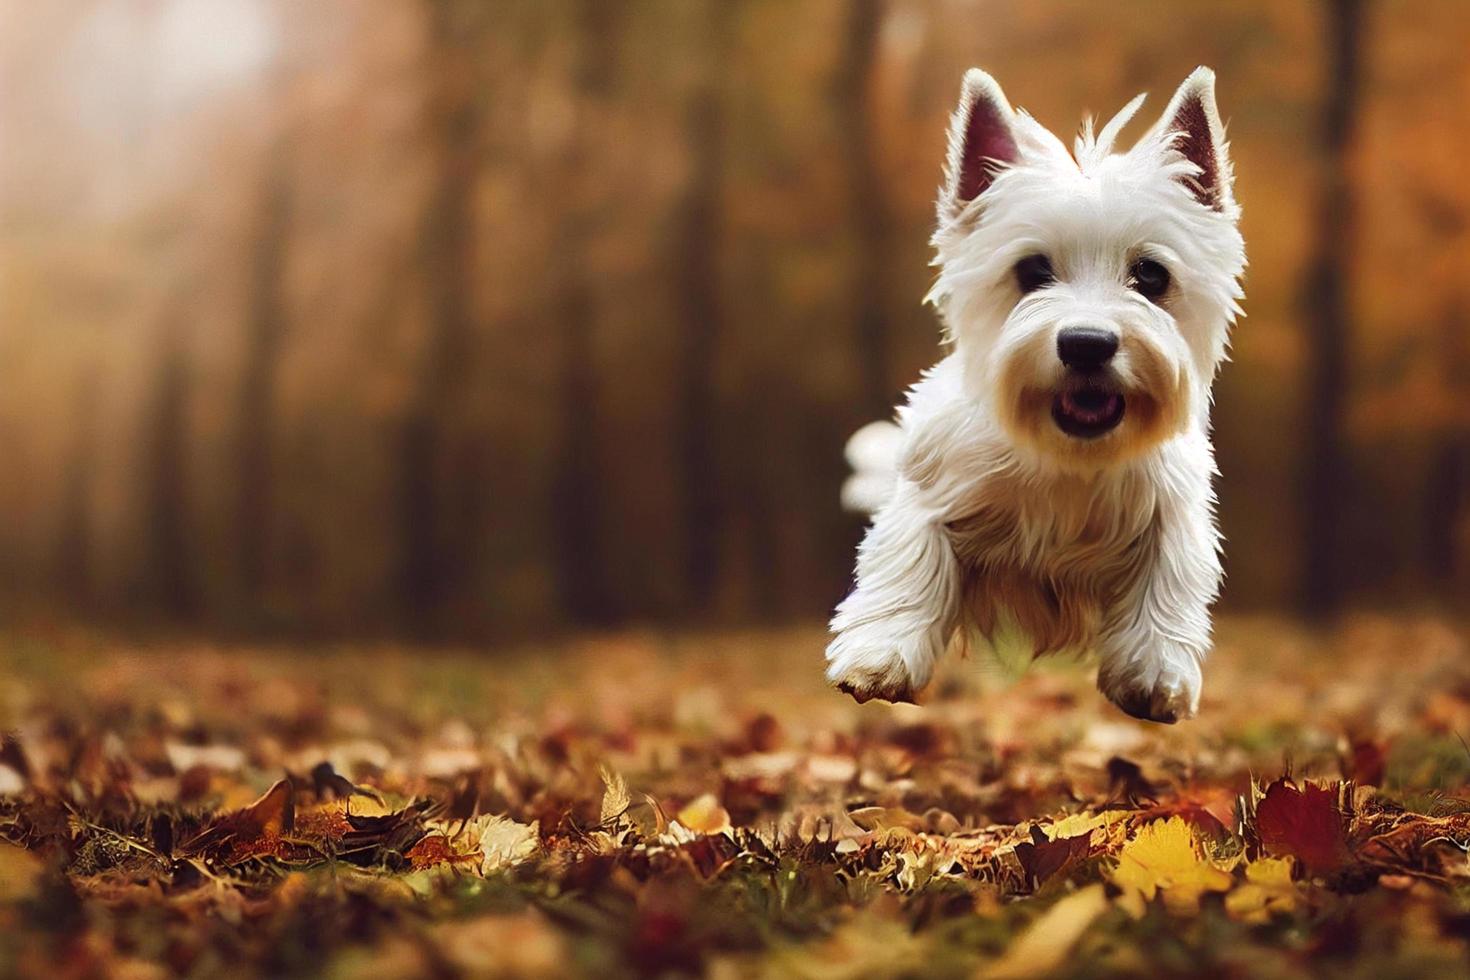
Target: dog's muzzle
x=1088 y=406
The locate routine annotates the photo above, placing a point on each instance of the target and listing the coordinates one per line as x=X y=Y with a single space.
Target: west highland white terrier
x=1051 y=477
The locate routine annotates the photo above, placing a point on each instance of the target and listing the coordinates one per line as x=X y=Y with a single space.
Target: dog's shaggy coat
x=1000 y=515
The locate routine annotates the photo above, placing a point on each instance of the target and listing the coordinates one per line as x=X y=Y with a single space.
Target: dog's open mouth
x=1087 y=411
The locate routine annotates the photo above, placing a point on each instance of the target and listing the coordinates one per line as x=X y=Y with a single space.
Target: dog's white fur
x=991 y=517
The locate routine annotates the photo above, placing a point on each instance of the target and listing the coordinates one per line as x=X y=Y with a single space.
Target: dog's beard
x=1095 y=417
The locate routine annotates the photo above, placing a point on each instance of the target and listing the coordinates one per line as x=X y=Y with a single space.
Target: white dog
x=1051 y=475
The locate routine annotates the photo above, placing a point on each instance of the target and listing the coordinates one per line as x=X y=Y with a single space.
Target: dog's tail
x=872 y=452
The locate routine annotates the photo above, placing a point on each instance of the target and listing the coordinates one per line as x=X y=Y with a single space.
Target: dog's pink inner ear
x=1198 y=146
x=988 y=141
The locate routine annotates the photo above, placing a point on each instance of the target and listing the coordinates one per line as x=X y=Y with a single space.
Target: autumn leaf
x=505 y=843
x=704 y=815
x=252 y=832
x=435 y=849
x=1268 y=890
x=1112 y=824
x=1166 y=857
x=1042 y=858
x=1303 y=823
x=615 y=799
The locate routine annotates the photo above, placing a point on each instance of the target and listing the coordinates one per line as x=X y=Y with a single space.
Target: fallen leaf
x=1077 y=824
x=252 y=832
x=615 y=799
x=1303 y=823
x=1268 y=890
x=1167 y=857
x=704 y=815
x=505 y=843
x=1042 y=858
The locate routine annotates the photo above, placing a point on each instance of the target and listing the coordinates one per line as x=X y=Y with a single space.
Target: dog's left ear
x=1201 y=138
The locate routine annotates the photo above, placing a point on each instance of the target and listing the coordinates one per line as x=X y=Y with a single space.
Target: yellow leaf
x=615 y=799
x=1268 y=890
x=1046 y=942
x=705 y=816
x=1077 y=824
x=1166 y=857
x=505 y=843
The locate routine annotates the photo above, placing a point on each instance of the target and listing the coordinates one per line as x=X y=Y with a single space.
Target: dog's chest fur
x=1049 y=558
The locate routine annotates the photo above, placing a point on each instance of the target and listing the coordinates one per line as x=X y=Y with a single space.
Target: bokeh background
x=471 y=318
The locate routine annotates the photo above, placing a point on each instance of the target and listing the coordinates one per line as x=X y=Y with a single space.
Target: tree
x=169 y=575
x=866 y=206
x=434 y=551
x=265 y=329
x=1328 y=317
x=74 y=542
x=577 y=558
x=1447 y=503
x=696 y=261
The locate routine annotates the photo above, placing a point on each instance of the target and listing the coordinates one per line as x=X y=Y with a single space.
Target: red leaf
x=1302 y=823
x=1041 y=858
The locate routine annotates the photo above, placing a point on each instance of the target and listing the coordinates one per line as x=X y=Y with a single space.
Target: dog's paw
x=873 y=667
x=1165 y=696
x=875 y=688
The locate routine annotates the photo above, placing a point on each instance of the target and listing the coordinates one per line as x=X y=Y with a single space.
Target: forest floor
x=649 y=804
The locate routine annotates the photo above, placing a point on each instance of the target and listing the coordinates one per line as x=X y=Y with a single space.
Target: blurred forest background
x=469 y=317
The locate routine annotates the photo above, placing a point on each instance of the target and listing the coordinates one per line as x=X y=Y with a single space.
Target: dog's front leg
x=1156 y=635
x=898 y=620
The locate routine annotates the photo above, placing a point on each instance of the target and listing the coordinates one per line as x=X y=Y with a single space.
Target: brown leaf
x=435 y=849
x=1042 y=858
x=251 y=832
x=1191 y=811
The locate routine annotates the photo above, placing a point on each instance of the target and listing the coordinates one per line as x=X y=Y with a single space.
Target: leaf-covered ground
x=647 y=804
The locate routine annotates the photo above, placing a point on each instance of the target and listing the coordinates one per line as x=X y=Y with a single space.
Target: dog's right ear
x=981 y=141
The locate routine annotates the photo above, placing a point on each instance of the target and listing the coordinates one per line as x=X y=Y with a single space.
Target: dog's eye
x=1033 y=273
x=1149 y=278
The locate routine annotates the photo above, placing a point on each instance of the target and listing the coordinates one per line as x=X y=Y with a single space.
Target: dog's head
x=1089 y=295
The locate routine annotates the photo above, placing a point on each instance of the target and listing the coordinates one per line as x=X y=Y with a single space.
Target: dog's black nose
x=1086 y=347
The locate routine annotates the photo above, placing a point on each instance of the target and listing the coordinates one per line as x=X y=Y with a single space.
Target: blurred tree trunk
x=169 y=576
x=255 y=475
x=579 y=562
x=1447 y=501
x=1329 y=318
x=857 y=146
x=431 y=562
x=74 y=542
x=696 y=260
